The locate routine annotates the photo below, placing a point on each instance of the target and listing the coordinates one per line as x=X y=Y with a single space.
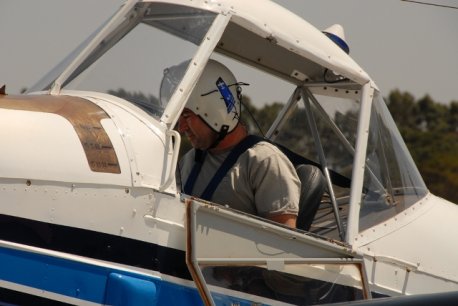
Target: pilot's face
x=198 y=132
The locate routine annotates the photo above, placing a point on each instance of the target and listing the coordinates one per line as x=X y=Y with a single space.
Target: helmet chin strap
x=222 y=133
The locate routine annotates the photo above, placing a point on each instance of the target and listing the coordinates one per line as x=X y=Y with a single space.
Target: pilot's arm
x=276 y=185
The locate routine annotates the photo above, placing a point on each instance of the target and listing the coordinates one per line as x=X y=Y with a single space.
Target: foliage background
x=430 y=130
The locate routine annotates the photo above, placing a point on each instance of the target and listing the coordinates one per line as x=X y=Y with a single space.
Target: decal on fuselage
x=84 y=116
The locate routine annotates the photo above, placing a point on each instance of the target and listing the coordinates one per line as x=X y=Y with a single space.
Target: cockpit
x=308 y=96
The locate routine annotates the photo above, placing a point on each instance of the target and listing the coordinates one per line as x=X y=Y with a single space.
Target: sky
x=401 y=45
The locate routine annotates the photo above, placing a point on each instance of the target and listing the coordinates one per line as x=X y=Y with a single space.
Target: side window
x=333 y=116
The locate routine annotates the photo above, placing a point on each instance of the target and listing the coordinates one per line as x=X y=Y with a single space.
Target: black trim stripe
x=95 y=245
x=11 y=297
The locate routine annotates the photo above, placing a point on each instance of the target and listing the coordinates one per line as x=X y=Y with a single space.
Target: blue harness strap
x=199 y=158
x=230 y=160
x=227 y=164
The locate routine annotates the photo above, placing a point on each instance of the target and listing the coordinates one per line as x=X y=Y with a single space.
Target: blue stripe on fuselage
x=80 y=280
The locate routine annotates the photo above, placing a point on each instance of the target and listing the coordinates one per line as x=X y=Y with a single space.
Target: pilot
x=259 y=180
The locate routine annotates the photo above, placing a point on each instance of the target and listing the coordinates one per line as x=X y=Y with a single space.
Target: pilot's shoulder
x=264 y=149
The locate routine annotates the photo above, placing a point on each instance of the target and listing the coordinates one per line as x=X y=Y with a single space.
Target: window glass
x=141 y=45
x=298 y=284
x=392 y=181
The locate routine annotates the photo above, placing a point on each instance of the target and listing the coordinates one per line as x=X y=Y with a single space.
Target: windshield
x=138 y=44
x=393 y=182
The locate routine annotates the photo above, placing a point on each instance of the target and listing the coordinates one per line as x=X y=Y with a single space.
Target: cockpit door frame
x=221 y=237
x=359 y=161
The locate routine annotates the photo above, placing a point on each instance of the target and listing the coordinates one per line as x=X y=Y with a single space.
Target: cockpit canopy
x=305 y=92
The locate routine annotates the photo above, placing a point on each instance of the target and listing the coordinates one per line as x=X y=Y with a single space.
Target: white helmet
x=215 y=98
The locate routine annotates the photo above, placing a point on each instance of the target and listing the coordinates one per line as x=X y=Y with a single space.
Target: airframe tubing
x=359 y=162
x=283 y=115
x=338 y=132
x=306 y=94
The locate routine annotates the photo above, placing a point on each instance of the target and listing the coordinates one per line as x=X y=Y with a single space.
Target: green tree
x=430 y=130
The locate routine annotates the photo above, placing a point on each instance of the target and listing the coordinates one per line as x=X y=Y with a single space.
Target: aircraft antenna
x=247 y=109
x=432 y=4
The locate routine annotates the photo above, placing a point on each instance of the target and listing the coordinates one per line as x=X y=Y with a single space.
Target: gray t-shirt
x=262 y=182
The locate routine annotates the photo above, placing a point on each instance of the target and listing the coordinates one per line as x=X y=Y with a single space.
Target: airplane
x=91 y=213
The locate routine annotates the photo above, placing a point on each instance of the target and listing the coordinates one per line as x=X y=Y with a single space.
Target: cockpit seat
x=313 y=185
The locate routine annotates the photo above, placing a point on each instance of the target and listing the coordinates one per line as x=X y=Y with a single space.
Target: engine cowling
x=81 y=139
